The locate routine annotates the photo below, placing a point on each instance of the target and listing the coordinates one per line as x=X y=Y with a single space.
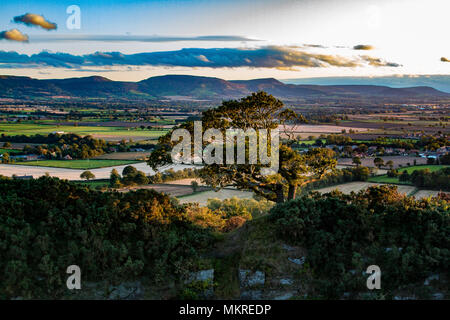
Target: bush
x=48 y=224
x=350 y=232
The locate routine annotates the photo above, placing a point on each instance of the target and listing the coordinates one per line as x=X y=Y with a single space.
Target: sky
x=229 y=39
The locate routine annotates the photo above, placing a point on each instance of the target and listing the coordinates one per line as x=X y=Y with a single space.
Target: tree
x=140 y=178
x=257 y=111
x=363 y=148
x=348 y=150
x=378 y=162
x=129 y=171
x=114 y=179
x=357 y=161
x=390 y=164
x=6 y=158
x=404 y=176
x=445 y=159
x=194 y=185
x=87 y=175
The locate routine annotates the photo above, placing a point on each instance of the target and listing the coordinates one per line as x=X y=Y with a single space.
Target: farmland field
x=399 y=161
x=77 y=164
x=74 y=174
x=123 y=156
x=9 y=151
x=9 y=129
x=386 y=179
x=202 y=197
x=357 y=186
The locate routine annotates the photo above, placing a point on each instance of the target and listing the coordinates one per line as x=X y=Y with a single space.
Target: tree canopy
x=257 y=111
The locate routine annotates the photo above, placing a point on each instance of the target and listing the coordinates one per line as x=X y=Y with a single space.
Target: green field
x=10 y=151
x=394 y=180
x=12 y=129
x=94 y=183
x=77 y=164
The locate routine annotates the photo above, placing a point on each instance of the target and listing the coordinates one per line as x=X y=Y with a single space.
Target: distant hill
x=439 y=82
x=180 y=87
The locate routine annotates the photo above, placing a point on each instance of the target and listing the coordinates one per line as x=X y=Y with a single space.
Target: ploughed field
x=74 y=174
x=399 y=161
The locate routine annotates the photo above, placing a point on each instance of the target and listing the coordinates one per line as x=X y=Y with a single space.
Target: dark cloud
x=377 y=62
x=284 y=58
x=444 y=59
x=363 y=47
x=31 y=19
x=13 y=35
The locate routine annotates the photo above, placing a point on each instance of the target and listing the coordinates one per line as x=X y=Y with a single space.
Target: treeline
x=436 y=180
x=344 y=234
x=172 y=175
x=132 y=176
x=49 y=224
x=57 y=146
x=429 y=142
x=359 y=173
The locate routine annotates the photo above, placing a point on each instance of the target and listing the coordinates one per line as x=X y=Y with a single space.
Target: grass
x=94 y=183
x=11 y=129
x=10 y=151
x=77 y=164
x=394 y=180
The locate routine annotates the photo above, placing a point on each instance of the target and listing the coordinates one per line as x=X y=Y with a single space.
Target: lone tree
x=87 y=175
x=357 y=161
x=194 y=185
x=378 y=162
x=257 y=111
x=114 y=179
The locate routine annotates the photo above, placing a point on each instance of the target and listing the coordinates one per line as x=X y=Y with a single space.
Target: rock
x=300 y=261
x=431 y=278
x=288 y=248
x=438 y=296
x=203 y=275
x=247 y=278
x=286 y=282
x=251 y=295
x=126 y=291
x=390 y=249
x=285 y=296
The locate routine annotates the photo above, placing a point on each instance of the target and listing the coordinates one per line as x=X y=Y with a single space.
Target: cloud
x=314 y=46
x=444 y=59
x=14 y=35
x=31 y=19
x=132 y=38
x=363 y=47
x=377 y=62
x=283 y=58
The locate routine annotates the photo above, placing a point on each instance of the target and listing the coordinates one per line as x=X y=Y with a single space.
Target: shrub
x=350 y=232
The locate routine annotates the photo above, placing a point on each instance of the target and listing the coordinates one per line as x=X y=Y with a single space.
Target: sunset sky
x=133 y=40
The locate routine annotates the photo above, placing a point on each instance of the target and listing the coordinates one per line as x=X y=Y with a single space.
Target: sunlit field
x=77 y=164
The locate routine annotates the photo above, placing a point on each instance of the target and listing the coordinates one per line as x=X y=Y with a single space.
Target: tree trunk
x=280 y=194
x=292 y=192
